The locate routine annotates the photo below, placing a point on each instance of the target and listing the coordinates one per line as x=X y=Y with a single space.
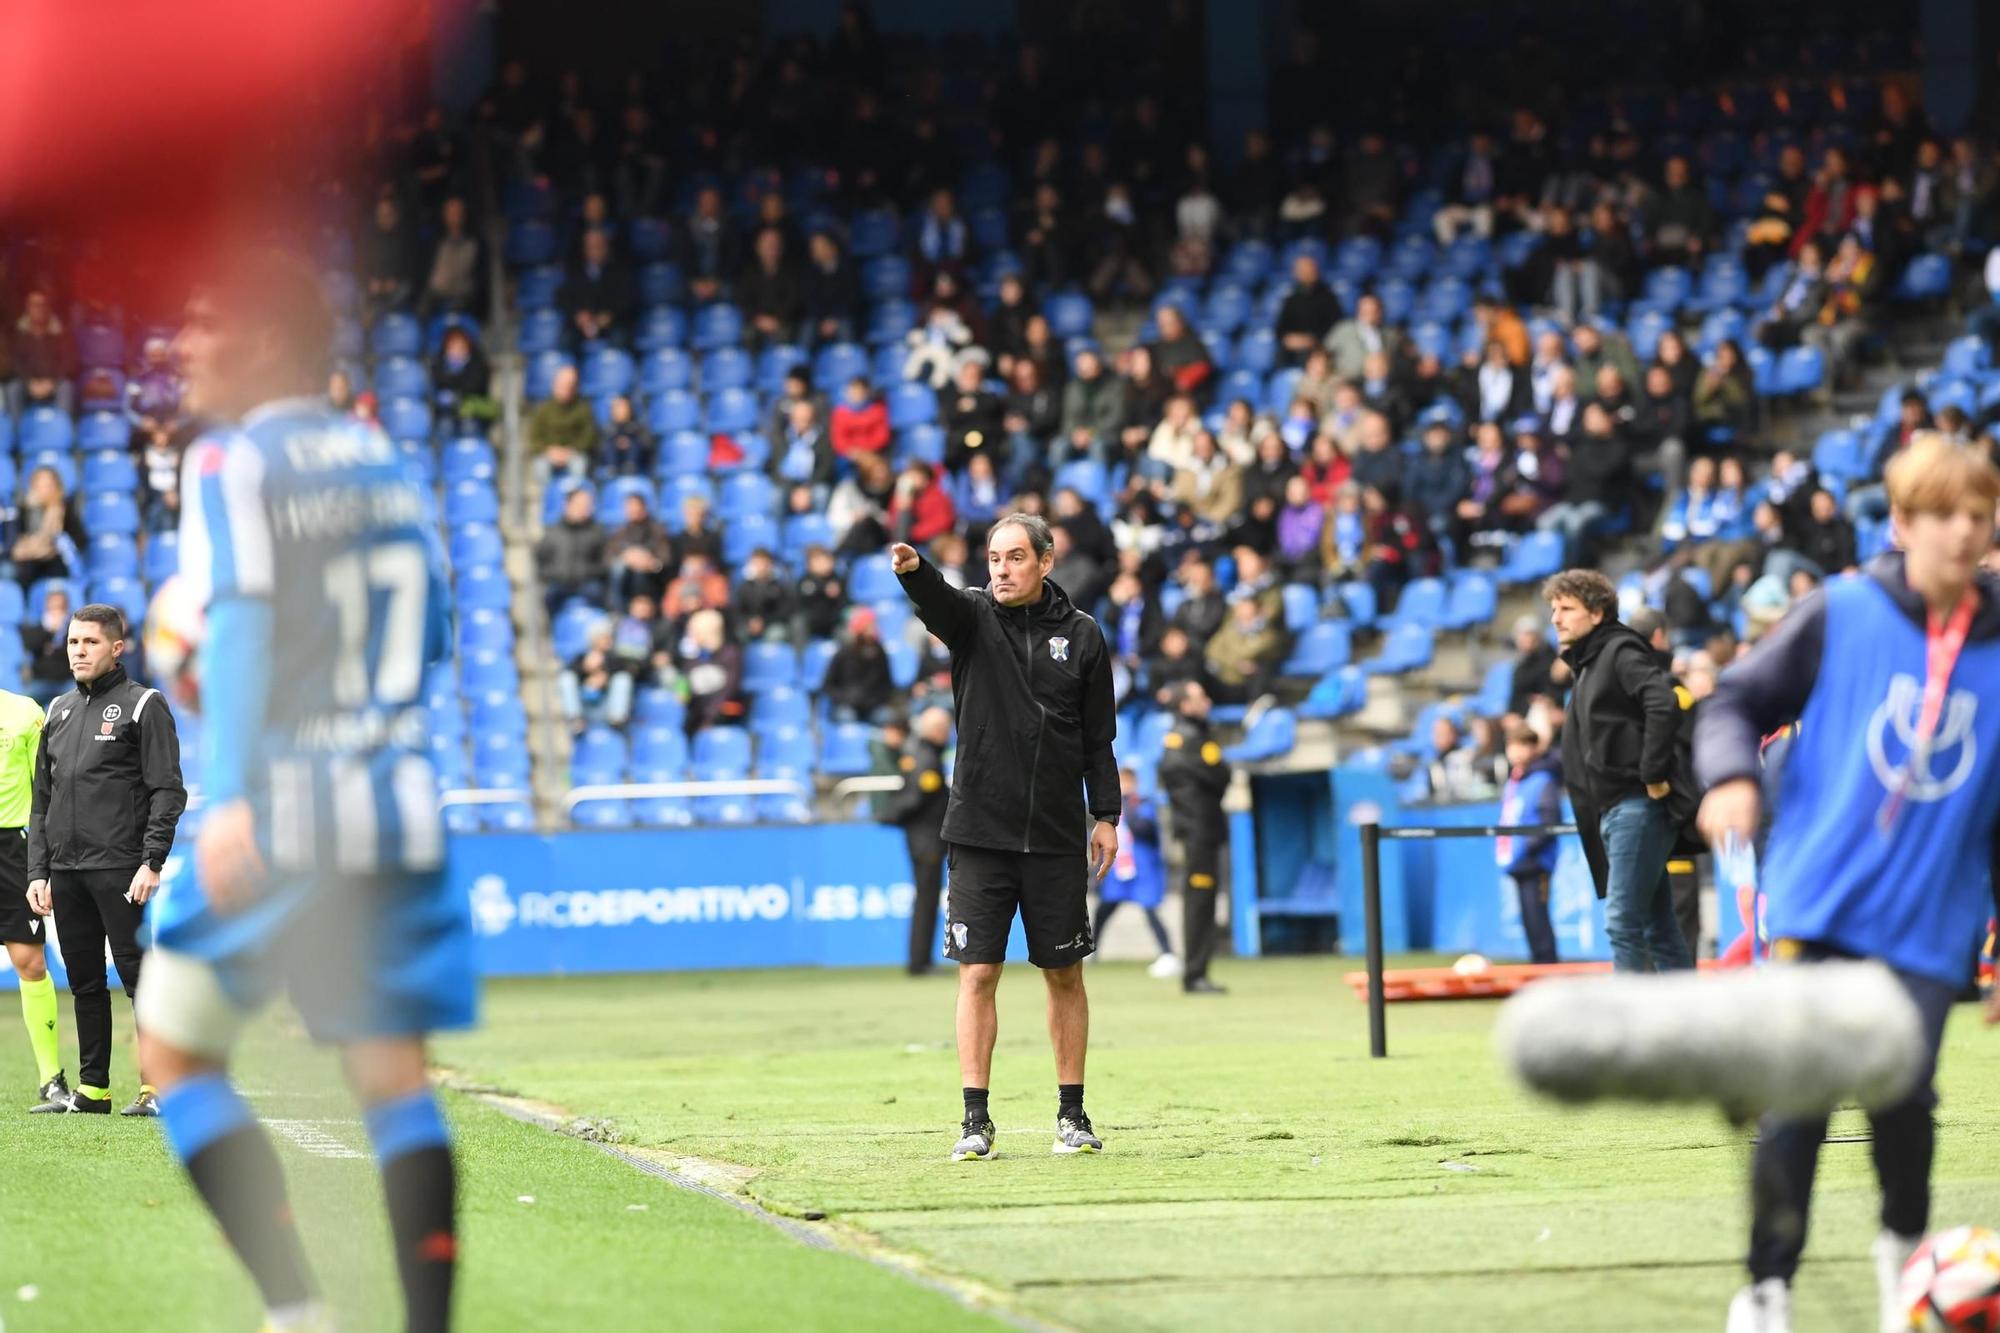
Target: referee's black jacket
x=107 y=781
x=1036 y=716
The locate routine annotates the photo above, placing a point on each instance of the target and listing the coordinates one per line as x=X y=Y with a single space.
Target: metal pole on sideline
x=1371 y=901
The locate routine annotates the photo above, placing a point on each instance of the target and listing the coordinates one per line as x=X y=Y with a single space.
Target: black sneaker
x=1074 y=1135
x=978 y=1141
x=147 y=1103
x=1203 y=986
x=73 y=1103
x=54 y=1096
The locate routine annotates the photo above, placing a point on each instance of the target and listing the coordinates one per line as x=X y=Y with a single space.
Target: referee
x=1031 y=678
x=20 y=928
x=107 y=796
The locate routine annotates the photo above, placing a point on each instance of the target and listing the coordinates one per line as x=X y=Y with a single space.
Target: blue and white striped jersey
x=306 y=538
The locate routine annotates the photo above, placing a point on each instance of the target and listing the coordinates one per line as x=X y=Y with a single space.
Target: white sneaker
x=1891 y=1253
x=1167 y=967
x=1765 y=1307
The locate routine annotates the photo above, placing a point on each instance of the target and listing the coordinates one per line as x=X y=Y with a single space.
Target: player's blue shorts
x=361 y=956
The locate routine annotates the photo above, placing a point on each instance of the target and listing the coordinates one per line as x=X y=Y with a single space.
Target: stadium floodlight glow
x=1794 y=1040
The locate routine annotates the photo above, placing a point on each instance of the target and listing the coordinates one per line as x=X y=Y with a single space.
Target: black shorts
x=18 y=923
x=1050 y=889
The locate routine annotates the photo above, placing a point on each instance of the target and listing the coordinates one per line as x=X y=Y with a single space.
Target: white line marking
x=308 y=1135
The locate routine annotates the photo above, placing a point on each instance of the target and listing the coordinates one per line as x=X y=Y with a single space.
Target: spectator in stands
x=1202 y=606
x=1208 y=483
x=462 y=383
x=1612 y=253
x=1173 y=665
x=698 y=585
x=769 y=292
x=1701 y=512
x=1378 y=464
x=1344 y=536
x=977 y=496
x=626 y=446
x=1242 y=655
x=1352 y=341
x=1672 y=356
x=1678 y=220
x=1532 y=796
x=1725 y=395
x=945 y=341
x=1031 y=416
x=1852 y=281
x=709 y=247
x=570 y=555
x=803 y=455
x=1499 y=322
x=1048 y=242
x=1575 y=278
x=50 y=538
x=712 y=668
x=1827 y=538
x=1007 y=323
x=1488 y=477
x=46 y=643
x=973 y=419
x=1076 y=572
x=1325 y=468
x=1534 y=663
x=860 y=421
x=1664 y=419
x=455 y=280
x=1264 y=482
x=1829 y=207
x=1452 y=775
x=595 y=686
x=599 y=296
x=858 y=686
x=942 y=241
x=639 y=553
x=562 y=432
x=1300 y=521
x=1039 y=346
x=1599 y=484
x=763 y=600
x=1115 y=248
x=1436 y=480
x=819 y=597
x=859 y=507
x=1562 y=413
x=1179 y=355
x=639 y=642
x=829 y=292
x=155 y=394
x=1308 y=313
x=1469 y=201
x=1092 y=410
x=387 y=259
x=1798 y=304
x=920 y=510
x=44 y=358
x=1503 y=388
x=1592 y=351
x=1133 y=624
x=700 y=534
x=340 y=391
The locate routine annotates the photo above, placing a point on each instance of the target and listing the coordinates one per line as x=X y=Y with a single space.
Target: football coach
x=1033 y=815
x=107 y=796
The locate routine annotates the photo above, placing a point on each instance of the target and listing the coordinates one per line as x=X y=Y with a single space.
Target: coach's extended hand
x=232 y=870
x=144 y=881
x=903 y=557
x=1103 y=849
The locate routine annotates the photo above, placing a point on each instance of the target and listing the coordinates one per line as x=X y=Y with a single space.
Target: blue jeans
x=1574 y=522
x=1903 y=1141
x=1638 y=905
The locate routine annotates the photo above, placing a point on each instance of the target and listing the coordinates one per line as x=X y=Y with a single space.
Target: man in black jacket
x=919 y=810
x=1195 y=777
x=107 y=797
x=1031 y=680
x=1623 y=765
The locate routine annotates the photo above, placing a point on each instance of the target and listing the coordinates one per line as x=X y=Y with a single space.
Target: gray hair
x=1039 y=537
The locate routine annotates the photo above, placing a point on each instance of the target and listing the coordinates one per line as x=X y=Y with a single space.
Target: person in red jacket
x=920 y=509
x=860 y=421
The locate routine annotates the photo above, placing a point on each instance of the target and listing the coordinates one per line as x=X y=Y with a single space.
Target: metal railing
x=1372 y=835
x=485 y=796
x=646 y=791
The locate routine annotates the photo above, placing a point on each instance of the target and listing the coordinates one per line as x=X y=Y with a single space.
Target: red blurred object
x=158 y=130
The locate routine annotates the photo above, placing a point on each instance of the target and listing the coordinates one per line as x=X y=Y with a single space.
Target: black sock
x=239 y=1178
x=1069 y=1097
x=421 y=1187
x=975 y=1103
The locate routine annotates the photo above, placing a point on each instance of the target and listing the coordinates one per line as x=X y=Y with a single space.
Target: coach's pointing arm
x=946 y=611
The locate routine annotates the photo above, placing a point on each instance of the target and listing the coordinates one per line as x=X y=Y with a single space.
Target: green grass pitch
x=1260 y=1172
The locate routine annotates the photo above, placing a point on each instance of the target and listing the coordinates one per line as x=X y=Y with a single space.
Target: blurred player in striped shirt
x=318 y=867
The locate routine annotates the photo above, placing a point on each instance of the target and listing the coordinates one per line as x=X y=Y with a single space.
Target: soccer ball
x=1952 y=1282
x=175 y=624
x=1470 y=965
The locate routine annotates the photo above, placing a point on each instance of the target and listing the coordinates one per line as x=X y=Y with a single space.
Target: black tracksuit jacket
x=1036 y=717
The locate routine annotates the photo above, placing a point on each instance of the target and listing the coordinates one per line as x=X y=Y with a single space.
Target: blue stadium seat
x=660 y=284
x=110 y=472
x=650 y=239
x=113 y=555
x=1336 y=694
x=45 y=429
x=723 y=748
x=402 y=377
x=1474 y=601
x=599 y=749
x=536 y=292
x=664 y=812
x=571 y=632
x=657 y=707
x=774 y=363
x=161 y=556
x=607 y=371
x=103 y=431
x=885 y=276
x=731 y=412
x=1405 y=648
x=1325 y=646
x=1840 y=454
x=745 y=494
x=1355 y=600
x=921 y=444
x=660 y=753
x=111 y=511
x=836 y=364
x=468 y=458
x=1271 y=736
x=665 y=369
x=780 y=707
x=661 y=328
x=530 y=242
x=912 y=405
x=489 y=670
x=1070 y=314
x=407 y=419
x=1422 y=603
x=673 y=412
x=785 y=752
x=744 y=534
x=768 y=665
x=541 y=331
x=471 y=502
x=844 y=750
x=801 y=531
x=872 y=233
x=873 y=579
x=1301 y=606
x=602 y=813
x=484 y=586
x=1926 y=278
x=813 y=659
x=396 y=334
x=903 y=663
x=507 y=816
x=477 y=544
x=1801 y=370
x=1533 y=558
x=726 y=368
x=128 y=595
x=718 y=325
x=485 y=630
